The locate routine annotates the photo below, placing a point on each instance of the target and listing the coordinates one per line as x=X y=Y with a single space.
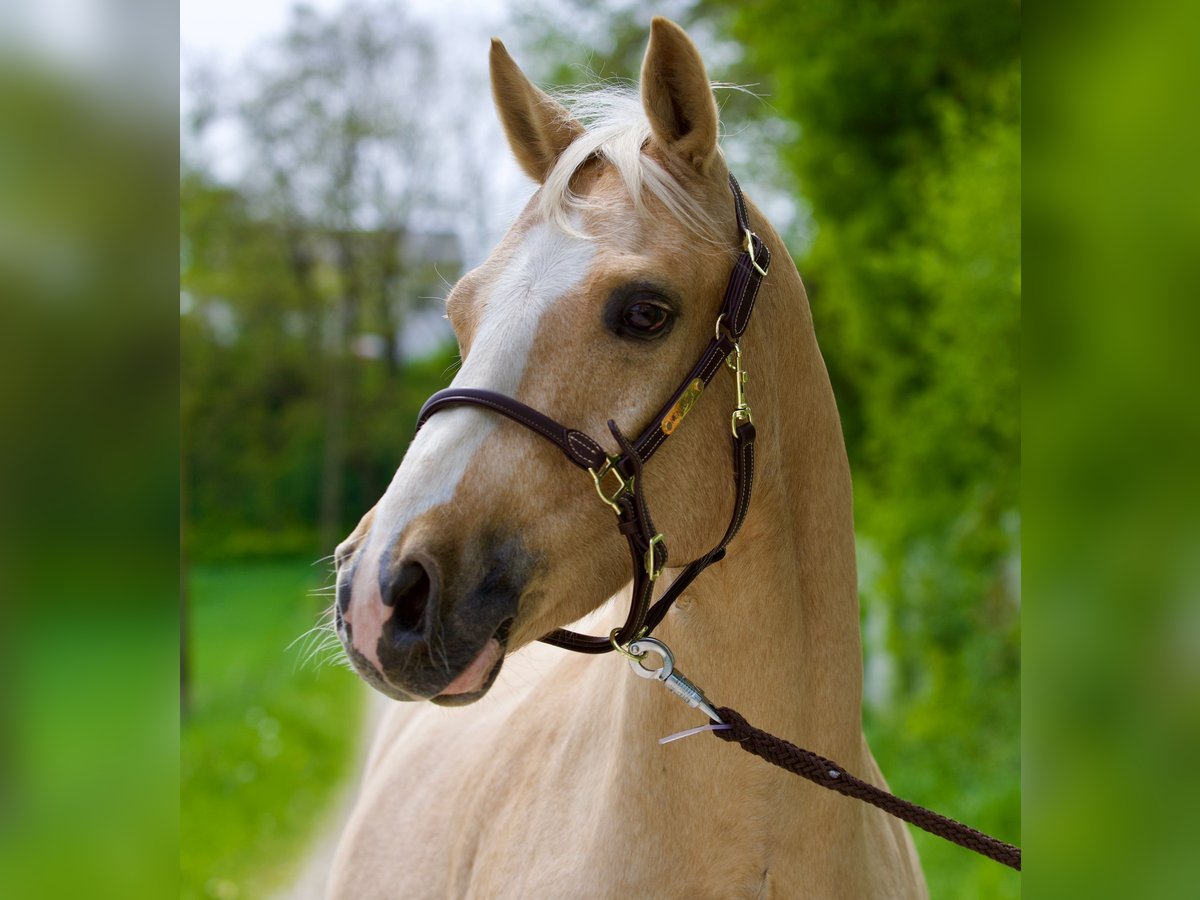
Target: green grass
x=267 y=740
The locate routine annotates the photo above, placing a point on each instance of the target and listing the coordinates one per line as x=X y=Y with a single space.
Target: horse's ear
x=538 y=127
x=677 y=96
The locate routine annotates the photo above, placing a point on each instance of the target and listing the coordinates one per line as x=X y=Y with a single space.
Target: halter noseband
x=618 y=478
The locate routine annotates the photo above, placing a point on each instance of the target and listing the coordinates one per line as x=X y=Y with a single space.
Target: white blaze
x=547 y=266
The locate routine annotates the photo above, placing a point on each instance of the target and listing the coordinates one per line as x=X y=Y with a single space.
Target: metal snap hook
x=674 y=681
x=640 y=648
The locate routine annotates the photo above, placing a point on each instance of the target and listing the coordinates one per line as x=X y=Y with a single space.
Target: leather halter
x=647 y=549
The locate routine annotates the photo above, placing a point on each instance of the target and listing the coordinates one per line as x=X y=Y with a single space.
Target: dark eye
x=645 y=316
x=639 y=311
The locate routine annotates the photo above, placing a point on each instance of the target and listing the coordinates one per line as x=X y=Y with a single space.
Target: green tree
x=332 y=124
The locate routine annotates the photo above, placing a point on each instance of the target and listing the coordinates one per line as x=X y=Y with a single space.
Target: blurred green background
x=323 y=216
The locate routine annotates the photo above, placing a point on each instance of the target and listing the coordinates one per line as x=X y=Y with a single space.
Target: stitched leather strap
x=738 y=304
x=743 y=479
x=577 y=446
x=748 y=271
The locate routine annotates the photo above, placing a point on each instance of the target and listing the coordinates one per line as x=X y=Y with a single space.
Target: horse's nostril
x=408 y=595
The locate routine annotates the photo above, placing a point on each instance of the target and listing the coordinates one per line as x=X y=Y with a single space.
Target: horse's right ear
x=677 y=96
x=538 y=127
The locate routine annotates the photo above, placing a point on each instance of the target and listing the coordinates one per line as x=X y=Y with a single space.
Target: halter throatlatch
x=618 y=478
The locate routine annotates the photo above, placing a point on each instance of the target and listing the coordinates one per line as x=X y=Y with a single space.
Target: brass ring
x=717 y=330
x=612 y=639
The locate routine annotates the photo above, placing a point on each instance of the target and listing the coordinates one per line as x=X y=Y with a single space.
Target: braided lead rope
x=829 y=774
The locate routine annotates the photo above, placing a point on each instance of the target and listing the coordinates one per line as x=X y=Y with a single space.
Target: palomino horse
x=595 y=306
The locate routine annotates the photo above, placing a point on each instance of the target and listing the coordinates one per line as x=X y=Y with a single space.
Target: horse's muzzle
x=413 y=633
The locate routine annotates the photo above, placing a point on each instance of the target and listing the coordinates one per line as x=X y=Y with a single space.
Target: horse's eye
x=645 y=316
x=641 y=311
x=644 y=319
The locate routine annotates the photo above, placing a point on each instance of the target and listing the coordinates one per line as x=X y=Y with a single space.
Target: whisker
x=316 y=629
x=442 y=277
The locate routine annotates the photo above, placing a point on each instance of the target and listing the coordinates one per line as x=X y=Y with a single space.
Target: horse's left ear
x=539 y=128
x=677 y=96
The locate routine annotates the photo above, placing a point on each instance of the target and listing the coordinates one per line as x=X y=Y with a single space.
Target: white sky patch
x=229 y=29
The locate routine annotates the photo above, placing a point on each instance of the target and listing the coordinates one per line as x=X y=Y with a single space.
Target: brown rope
x=829 y=774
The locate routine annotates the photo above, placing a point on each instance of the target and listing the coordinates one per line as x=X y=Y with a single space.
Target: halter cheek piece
x=618 y=478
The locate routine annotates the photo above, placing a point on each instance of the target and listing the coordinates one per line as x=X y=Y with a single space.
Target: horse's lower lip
x=472 y=678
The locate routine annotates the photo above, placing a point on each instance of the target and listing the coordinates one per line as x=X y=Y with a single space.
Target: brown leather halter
x=623 y=470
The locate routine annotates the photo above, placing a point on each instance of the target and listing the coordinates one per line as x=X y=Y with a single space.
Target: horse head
x=592 y=308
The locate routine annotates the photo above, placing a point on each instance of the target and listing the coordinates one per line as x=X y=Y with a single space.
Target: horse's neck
x=773 y=630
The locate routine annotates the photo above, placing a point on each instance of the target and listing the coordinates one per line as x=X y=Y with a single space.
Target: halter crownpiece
x=617 y=478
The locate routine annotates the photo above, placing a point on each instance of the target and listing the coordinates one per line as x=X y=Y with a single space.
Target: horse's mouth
x=477 y=678
x=470 y=684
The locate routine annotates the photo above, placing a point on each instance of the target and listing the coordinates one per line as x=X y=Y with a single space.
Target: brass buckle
x=624 y=650
x=748 y=246
x=742 y=414
x=649 y=561
x=608 y=468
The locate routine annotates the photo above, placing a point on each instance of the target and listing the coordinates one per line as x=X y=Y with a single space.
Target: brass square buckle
x=748 y=246
x=623 y=485
x=652 y=570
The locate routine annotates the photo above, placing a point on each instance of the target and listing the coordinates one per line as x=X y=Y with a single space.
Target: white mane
x=616 y=130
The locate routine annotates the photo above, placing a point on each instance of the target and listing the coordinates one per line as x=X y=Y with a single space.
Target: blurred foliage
x=270 y=733
x=88 y=457
x=254 y=397
x=298 y=281
x=1112 y=427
